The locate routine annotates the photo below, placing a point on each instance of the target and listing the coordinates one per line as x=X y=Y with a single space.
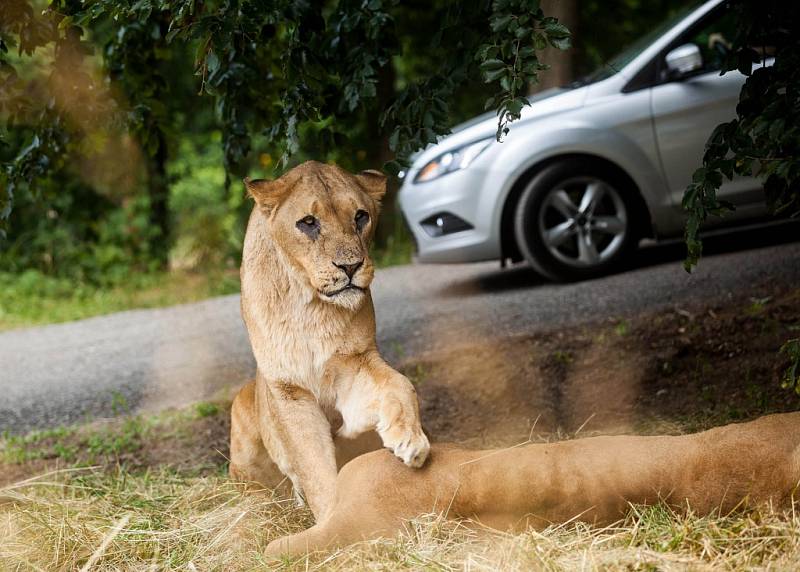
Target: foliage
x=791 y=376
x=764 y=139
x=208 y=222
x=510 y=57
x=270 y=66
x=398 y=248
x=123 y=84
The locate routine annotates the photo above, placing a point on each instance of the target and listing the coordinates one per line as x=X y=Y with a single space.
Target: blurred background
x=141 y=218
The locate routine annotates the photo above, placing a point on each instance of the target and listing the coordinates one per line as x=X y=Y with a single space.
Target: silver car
x=589 y=170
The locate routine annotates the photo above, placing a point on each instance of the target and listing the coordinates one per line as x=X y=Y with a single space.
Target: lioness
x=306 y=303
x=590 y=479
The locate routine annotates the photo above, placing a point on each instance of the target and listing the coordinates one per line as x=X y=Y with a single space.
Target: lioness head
x=322 y=218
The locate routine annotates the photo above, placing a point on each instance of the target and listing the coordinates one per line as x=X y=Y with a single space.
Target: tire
x=577 y=219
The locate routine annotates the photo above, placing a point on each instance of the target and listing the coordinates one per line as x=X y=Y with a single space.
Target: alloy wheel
x=583 y=222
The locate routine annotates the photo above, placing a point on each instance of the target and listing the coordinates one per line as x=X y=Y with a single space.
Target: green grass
x=563 y=357
x=31 y=298
x=76 y=445
x=206 y=409
x=399 y=249
x=17 y=449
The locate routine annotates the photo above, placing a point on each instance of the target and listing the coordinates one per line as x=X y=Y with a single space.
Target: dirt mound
x=677 y=370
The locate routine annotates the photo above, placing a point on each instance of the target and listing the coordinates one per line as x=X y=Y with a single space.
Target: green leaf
x=492 y=65
x=394 y=139
x=560 y=43
x=393 y=168
x=212 y=62
x=699 y=175
x=490 y=76
x=500 y=22
x=744 y=61
x=368 y=90
x=556 y=30
x=515 y=106
x=776 y=129
x=791 y=375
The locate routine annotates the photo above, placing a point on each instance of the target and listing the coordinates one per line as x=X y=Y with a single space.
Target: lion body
x=309 y=315
x=593 y=480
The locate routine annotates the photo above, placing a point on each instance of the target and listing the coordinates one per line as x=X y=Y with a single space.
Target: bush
x=208 y=229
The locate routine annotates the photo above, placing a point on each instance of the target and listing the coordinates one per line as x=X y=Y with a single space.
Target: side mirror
x=684 y=60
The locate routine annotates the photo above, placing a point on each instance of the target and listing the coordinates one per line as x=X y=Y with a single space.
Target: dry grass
x=158 y=520
x=158 y=499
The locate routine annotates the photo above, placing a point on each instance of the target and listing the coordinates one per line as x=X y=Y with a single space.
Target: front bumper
x=458 y=194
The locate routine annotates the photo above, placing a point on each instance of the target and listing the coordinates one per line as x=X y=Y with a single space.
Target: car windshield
x=626 y=56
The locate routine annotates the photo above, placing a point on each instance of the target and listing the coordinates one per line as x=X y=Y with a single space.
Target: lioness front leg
x=381 y=398
x=300 y=441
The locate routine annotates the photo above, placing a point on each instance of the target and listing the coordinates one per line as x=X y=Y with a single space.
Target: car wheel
x=575 y=221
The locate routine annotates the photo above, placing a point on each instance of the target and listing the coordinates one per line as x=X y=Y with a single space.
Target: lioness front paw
x=412 y=449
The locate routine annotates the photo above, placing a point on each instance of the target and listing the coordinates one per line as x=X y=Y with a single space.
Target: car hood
x=544 y=104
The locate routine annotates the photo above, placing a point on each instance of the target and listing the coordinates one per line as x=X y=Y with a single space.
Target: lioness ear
x=267 y=194
x=374 y=183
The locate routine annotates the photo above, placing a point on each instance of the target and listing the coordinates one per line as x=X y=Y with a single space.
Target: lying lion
x=306 y=273
x=590 y=479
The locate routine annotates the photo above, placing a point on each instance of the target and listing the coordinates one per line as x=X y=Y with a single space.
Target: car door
x=687 y=109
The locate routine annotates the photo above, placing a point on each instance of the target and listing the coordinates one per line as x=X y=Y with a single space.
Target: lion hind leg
x=367 y=506
x=250 y=461
x=345 y=525
x=316 y=538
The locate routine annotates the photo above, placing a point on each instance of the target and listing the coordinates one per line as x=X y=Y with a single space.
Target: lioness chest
x=309 y=351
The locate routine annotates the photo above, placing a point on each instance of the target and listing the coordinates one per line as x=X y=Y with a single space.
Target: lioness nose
x=350 y=269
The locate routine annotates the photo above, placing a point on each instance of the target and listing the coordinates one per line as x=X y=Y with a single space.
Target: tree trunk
x=158 y=193
x=379 y=154
x=560 y=61
x=157 y=178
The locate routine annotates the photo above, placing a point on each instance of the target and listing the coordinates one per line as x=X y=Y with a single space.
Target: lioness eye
x=362 y=218
x=309 y=226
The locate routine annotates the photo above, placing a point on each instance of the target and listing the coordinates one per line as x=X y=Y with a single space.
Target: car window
x=630 y=53
x=715 y=38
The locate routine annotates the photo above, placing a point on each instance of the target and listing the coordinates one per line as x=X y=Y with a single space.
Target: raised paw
x=412 y=448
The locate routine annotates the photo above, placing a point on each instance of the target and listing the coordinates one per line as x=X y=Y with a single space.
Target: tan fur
x=318 y=367
x=590 y=479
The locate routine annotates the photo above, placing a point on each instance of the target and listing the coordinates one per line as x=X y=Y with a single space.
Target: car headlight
x=451 y=161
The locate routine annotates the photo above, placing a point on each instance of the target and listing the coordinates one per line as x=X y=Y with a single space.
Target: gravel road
x=153 y=359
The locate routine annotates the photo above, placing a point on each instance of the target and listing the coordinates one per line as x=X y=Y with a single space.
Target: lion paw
x=413 y=449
